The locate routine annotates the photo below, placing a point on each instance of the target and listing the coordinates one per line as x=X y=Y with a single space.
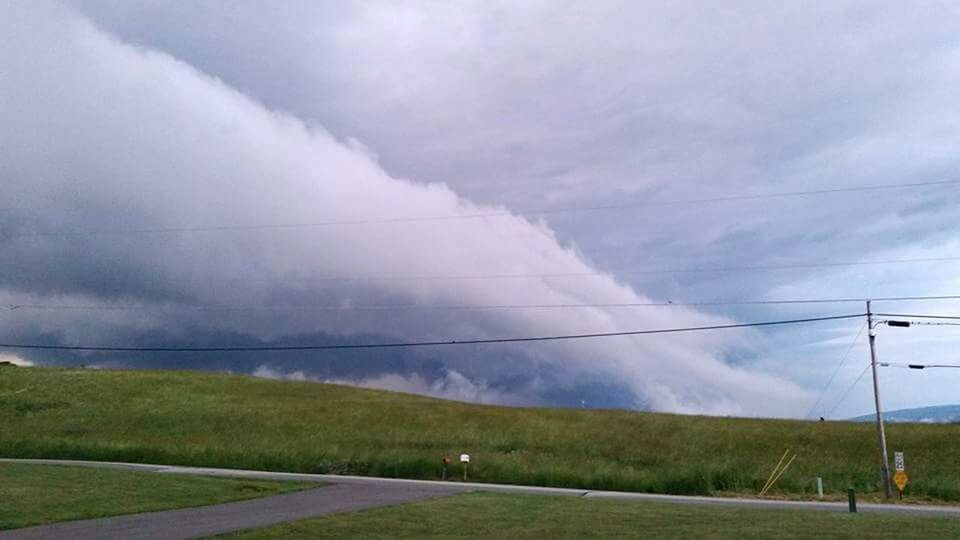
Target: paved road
x=224 y=518
x=347 y=493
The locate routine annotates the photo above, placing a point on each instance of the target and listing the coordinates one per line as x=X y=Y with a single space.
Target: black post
x=852 y=500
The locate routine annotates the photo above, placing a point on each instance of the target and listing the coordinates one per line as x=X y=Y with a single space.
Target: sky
x=257 y=173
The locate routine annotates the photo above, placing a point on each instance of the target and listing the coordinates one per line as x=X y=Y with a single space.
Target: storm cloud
x=211 y=183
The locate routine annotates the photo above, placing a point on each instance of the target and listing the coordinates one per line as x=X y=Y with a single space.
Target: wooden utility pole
x=885 y=463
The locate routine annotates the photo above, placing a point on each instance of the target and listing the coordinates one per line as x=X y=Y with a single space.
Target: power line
x=479 y=307
x=482 y=215
x=785 y=266
x=627 y=271
x=425 y=343
x=843 y=361
x=903 y=299
x=323 y=307
x=918 y=366
x=620 y=271
x=914 y=316
x=847 y=392
x=605 y=273
x=897 y=364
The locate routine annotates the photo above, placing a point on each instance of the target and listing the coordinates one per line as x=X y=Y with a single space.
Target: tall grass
x=235 y=421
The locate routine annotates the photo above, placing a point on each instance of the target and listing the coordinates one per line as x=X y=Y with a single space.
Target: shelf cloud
x=131 y=182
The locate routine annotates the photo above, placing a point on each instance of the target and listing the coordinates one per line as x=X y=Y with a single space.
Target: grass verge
x=233 y=421
x=489 y=515
x=38 y=494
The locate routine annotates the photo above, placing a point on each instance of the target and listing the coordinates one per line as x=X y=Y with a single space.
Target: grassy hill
x=243 y=422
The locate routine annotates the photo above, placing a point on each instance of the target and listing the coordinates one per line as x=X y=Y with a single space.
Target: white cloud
x=452 y=385
x=15 y=360
x=268 y=372
x=142 y=140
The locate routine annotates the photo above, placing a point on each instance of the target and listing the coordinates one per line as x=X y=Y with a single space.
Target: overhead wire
x=162 y=230
x=481 y=215
x=404 y=307
x=847 y=392
x=427 y=343
x=916 y=366
x=602 y=273
x=165 y=230
x=618 y=271
x=898 y=364
x=915 y=316
x=843 y=360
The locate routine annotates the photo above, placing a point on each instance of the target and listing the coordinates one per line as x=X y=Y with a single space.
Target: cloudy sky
x=260 y=173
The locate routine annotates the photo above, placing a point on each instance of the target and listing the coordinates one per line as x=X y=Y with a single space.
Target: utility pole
x=885 y=467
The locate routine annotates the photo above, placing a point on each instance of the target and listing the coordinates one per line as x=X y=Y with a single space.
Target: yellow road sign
x=900 y=479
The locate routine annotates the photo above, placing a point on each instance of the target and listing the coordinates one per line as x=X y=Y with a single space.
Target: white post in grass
x=465 y=459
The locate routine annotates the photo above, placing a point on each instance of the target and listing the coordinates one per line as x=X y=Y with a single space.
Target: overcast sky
x=228 y=122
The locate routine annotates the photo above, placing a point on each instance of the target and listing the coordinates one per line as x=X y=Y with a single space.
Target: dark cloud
x=522 y=106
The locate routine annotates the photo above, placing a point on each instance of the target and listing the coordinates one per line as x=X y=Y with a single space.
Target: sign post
x=465 y=459
x=900 y=478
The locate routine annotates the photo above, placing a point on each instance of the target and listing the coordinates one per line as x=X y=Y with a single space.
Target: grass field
x=487 y=515
x=37 y=494
x=243 y=422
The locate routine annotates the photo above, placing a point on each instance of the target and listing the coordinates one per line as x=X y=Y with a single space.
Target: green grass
x=488 y=515
x=37 y=494
x=243 y=422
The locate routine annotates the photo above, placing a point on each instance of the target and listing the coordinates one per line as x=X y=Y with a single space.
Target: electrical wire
x=604 y=273
x=622 y=271
x=794 y=266
x=341 y=308
x=914 y=316
x=843 y=361
x=499 y=213
x=454 y=307
x=917 y=366
x=905 y=299
x=425 y=343
x=898 y=364
x=851 y=387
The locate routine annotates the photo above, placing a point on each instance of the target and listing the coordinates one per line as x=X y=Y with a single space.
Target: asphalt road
x=229 y=517
x=349 y=493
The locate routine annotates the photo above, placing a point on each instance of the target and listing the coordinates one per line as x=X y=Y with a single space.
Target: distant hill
x=942 y=414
